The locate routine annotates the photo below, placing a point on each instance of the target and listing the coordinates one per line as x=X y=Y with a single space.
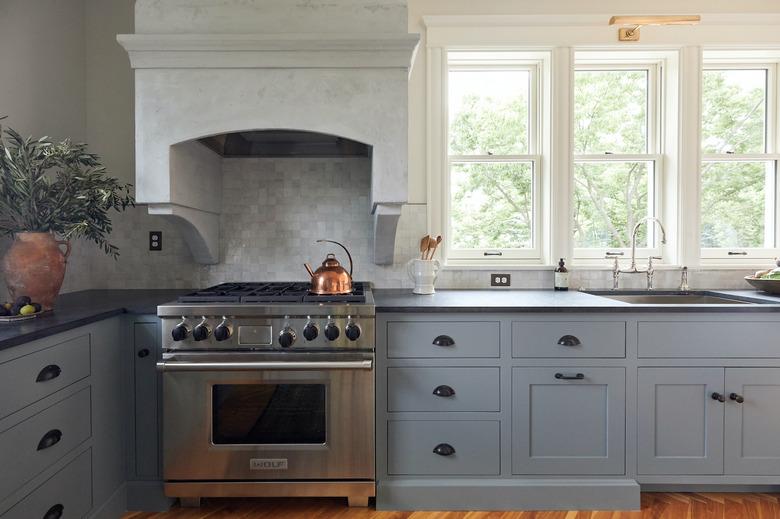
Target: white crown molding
x=289 y=50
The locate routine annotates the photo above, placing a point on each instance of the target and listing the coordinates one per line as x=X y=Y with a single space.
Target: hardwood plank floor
x=654 y=506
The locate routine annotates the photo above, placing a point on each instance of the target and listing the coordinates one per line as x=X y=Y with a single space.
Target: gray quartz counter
x=502 y=300
x=79 y=308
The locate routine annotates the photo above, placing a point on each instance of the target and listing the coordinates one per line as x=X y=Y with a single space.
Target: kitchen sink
x=671 y=298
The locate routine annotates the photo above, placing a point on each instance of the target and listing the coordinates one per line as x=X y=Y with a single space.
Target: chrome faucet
x=650 y=270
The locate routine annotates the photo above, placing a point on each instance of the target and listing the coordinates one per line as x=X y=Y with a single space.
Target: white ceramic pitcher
x=423 y=273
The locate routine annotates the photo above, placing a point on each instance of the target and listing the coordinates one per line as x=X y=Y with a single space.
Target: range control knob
x=202 y=331
x=310 y=331
x=180 y=331
x=352 y=331
x=332 y=332
x=223 y=331
x=287 y=337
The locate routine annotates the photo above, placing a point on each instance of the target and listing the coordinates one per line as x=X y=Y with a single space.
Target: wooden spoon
x=424 y=244
x=436 y=244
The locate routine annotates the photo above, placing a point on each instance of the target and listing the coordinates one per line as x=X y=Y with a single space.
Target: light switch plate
x=500 y=280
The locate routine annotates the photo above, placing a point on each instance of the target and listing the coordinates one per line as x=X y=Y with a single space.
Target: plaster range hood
x=203 y=95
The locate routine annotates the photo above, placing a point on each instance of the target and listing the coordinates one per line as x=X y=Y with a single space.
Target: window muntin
x=738 y=177
x=492 y=186
x=617 y=161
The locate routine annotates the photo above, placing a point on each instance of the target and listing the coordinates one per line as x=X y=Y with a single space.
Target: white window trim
x=655 y=121
x=538 y=62
x=730 y=35
x=750 y=255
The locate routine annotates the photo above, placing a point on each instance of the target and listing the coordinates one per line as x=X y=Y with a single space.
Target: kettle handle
x=345 y=250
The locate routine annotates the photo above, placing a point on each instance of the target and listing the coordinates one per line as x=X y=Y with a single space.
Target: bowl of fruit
x=766 y=280
x=21 y=309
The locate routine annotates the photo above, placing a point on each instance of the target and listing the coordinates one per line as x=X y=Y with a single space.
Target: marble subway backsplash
x=273 y=212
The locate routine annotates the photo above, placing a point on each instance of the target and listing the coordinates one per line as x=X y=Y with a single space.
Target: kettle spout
x=308 y=269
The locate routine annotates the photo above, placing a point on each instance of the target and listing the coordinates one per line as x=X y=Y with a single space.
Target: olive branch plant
x=57 y=187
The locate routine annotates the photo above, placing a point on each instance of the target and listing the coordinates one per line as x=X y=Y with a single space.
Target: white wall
x=42 y=63
x=419 y=8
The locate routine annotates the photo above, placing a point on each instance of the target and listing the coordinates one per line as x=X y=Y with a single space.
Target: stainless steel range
x=268 y=391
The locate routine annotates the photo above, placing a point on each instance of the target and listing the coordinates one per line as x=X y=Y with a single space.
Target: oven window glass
x=255 y=414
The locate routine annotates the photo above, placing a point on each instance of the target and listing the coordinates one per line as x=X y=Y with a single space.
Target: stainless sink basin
x=671 y=299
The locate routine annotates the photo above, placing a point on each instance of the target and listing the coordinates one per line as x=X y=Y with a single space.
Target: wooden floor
x=655 y=506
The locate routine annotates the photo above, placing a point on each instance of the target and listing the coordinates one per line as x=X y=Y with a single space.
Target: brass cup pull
x=569 y=340
x=444 y=449
x=718 y=397
x=737 y=398
x=444 y=391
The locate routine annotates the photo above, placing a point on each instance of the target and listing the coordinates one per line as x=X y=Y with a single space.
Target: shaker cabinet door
x=568 y=421
x=752 y=421
x=680 y=424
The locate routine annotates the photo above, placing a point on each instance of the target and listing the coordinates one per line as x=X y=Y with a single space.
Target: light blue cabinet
x=568 y=421
x=680 y=427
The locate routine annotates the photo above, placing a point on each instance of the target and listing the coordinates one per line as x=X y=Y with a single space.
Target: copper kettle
x=331 y=278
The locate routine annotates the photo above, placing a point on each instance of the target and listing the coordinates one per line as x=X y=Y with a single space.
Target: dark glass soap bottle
x=561 y=276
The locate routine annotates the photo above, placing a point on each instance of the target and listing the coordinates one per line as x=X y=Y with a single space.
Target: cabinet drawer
x=27 y=379
x=443 y=389
x=31 y=446
x=442 y=339
x=474 y=447
x=693 y=339
x=68 y=492
x=569 y=339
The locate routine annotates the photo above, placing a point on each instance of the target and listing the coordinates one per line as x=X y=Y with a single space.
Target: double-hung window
x=617 y=155
x=739 y=195
x=492 y=184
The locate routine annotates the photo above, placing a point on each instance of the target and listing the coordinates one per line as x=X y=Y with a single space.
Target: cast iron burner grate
x=277 y=292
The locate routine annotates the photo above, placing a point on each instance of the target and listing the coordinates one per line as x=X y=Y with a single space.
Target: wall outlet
x=500 y=280
x=155 y=240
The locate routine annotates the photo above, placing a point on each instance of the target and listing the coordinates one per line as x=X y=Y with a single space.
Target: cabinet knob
x=50 y=372
x=50 y=439
x=143 y=353
x=737 y=398
x=569 y=340
x=55 y=512
x=444 y=390
x=444 y=449
x=718 y=397
x=443 y=340
x=569 y=376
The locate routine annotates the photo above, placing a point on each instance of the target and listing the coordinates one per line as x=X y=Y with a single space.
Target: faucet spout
x=635 y=232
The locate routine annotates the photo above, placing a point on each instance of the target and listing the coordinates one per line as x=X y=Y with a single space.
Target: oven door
x=255 y=416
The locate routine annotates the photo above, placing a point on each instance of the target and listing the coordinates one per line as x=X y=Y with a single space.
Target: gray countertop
x=503 y=300
x=80 y=308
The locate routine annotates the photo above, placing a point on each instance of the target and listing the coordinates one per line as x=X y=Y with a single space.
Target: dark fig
x=22 y=300
x=37 y=306
x=3 y=311
x=15 y=309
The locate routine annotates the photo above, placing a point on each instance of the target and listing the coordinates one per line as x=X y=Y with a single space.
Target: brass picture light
x=633 y=23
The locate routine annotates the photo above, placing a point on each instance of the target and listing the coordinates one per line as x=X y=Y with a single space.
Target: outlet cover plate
x=500 y=280
x=155 y=240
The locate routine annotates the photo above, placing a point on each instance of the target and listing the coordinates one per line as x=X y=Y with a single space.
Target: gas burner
x=277 y=292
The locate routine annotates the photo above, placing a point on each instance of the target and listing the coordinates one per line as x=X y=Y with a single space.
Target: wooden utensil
x=436 y=244
x=424 y=244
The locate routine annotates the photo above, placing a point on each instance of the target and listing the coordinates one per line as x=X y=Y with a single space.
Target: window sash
x=596 y=255
x=751 y=255
x=454 y=254
x=466 y=257
x=653 y=206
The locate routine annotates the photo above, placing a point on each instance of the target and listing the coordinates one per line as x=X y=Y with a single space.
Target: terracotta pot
x=34 y=266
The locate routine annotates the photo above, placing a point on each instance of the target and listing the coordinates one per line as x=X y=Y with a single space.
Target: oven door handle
x=167 y=366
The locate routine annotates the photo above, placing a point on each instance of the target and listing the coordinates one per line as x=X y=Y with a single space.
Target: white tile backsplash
x=273 y=212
